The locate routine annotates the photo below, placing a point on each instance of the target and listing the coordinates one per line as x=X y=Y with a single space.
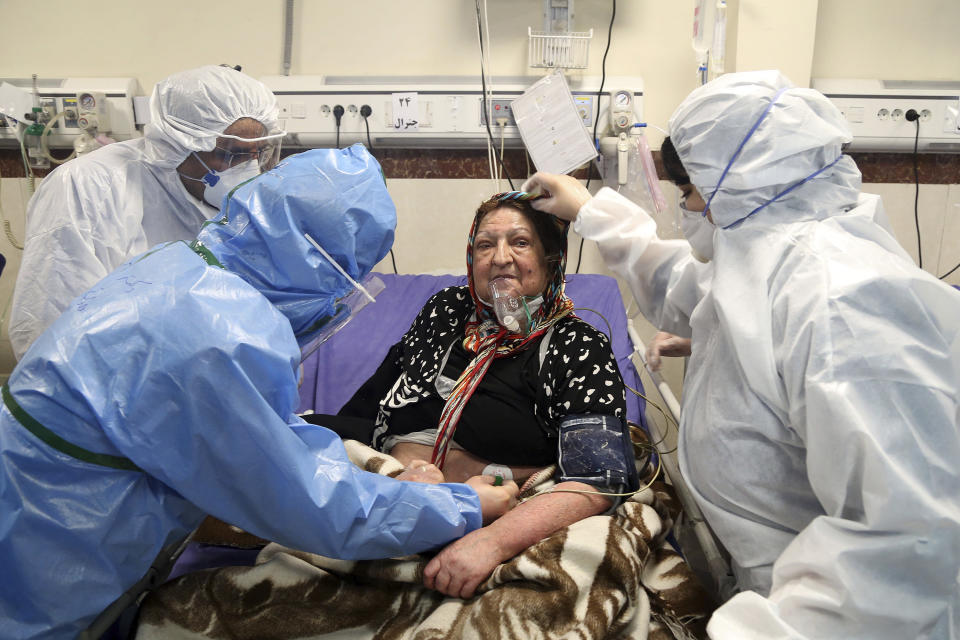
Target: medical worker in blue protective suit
x=94 y=213
x=819 y=429
x=168 y=390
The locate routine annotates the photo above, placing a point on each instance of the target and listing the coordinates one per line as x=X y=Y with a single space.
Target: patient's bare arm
x=460 y=568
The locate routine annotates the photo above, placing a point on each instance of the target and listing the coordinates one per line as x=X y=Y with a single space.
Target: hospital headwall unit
x=449 y=109
x=449 y=114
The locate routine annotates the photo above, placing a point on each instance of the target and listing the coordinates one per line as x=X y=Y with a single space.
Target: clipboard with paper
x=551 y=127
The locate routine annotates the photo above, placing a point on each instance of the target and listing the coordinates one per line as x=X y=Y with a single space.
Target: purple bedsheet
x=336 y=370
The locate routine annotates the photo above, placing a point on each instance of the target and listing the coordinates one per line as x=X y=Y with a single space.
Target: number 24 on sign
x=405 y=111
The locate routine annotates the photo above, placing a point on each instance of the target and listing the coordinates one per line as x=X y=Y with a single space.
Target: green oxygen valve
x=33 y=143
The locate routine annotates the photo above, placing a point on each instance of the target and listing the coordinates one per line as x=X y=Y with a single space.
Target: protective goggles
x=234 y=150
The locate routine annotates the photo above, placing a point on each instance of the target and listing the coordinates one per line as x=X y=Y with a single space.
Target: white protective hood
x=820 y=405
x=189 y=110
x=93 y=213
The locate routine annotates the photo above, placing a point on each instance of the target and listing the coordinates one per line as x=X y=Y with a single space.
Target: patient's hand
x=421 y=471
x=494 y=501
x=465 y=563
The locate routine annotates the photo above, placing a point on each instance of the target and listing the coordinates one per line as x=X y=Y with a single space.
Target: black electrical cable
x=483 y=104
x=338 y=114
x=365 y=112
x=603 y=77
x=949 y=272
x=913 y=116
x=596 y=120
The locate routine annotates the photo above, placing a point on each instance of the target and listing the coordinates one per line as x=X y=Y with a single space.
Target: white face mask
x=218 y=184
x=698 y=231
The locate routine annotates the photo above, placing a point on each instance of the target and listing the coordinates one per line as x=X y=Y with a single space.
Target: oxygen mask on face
x=513 y=310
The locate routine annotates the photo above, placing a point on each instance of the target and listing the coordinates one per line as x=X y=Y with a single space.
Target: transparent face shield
x=345 y=308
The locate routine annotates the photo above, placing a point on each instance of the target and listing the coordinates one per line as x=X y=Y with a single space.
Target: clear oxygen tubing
x=31 y=177
x=719 y=47
x=12 y=239
x=649 y=168
x=44 y=145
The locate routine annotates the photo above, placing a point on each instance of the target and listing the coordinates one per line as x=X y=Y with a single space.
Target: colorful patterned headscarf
x=487 y=339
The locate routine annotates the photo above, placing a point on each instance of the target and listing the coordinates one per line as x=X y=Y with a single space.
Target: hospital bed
x=332 y=374
x=354 y=354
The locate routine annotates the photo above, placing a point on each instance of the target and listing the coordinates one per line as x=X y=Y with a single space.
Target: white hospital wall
x=890 y=40
x=149 y=40
x=776 y=34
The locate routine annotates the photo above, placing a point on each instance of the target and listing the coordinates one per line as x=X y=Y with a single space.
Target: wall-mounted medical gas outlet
x=70 y=120
x=449 y=108
x=92 y=111
x=876 y=111
x=112 y=104
x=621 y=111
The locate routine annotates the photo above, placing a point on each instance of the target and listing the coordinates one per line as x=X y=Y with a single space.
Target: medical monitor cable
x=666 y=417
x=483 y=82
x=487 y=103
x=913 y=116
x=596 y=120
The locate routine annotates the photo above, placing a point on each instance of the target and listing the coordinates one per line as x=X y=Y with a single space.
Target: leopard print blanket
x=602 y=577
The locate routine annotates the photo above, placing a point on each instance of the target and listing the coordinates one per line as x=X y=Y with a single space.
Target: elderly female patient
x=475 y=398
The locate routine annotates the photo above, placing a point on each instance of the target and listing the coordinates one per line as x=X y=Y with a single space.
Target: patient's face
x=506 y=248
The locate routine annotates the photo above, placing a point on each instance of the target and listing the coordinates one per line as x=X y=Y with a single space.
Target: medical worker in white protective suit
x=819 y=428
x=167 y=392
x=210 y=130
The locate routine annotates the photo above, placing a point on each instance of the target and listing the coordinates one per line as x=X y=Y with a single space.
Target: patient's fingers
x=430 y=573
x=468 y=588
x=464 y=564
x=421 y=471
x=434 y=577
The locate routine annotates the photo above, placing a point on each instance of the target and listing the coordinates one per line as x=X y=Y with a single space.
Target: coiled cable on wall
x=488 y=98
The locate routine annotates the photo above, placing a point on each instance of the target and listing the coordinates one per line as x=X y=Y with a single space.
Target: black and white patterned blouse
x=513 y=416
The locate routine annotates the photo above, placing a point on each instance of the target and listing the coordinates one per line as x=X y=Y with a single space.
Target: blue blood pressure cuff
x=596 y=449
